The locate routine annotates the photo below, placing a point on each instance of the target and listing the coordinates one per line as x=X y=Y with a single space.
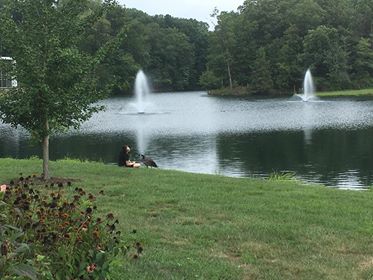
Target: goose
x=148 y=161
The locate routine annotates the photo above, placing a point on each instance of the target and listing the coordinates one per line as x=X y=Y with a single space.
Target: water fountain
x=308 y=88
x=142 y=90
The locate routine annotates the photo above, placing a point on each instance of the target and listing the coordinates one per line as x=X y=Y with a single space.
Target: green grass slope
x=211 y=227
x=347 y=93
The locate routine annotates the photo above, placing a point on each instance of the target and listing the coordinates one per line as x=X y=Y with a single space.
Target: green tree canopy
x=261 y=78
x=57 y=80
x=327 y=36
x=363 y=63
x=324 y=51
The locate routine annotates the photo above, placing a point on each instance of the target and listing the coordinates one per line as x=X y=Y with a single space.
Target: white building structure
x=6 y=81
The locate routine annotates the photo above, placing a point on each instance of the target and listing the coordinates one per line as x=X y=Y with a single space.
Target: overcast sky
x=198 y=9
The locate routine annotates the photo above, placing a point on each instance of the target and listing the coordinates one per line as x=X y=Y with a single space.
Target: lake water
x=326 y=141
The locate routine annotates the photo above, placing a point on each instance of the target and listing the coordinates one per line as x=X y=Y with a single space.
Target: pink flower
x=3 y=188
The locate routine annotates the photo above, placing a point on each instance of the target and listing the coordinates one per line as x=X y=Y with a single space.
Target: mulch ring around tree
x=38 y=180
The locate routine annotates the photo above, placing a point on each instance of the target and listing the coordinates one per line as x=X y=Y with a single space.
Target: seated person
x=124 y=158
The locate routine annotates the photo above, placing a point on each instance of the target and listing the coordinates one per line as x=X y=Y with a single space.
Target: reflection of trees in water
x=97 y=147
x=331 y=153
x=93 y=147
x=11 y=141
x=263 y=152
x=343 y=151
x=195 y=153
x=179 y=151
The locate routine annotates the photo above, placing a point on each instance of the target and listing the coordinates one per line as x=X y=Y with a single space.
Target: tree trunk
x=229 y=75
x=46 y=153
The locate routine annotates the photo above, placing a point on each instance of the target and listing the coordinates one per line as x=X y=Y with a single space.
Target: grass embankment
x=212 y=227
x=242 y=91
x=347 y=93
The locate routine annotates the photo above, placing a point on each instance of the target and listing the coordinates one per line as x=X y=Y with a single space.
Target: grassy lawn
x=347 y=93
x=212 y=227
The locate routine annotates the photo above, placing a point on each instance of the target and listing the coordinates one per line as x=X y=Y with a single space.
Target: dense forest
x=264 y=47
x=268 y=44
x=172 y=51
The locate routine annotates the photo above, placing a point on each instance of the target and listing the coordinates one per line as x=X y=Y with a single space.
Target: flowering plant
x=54 y=233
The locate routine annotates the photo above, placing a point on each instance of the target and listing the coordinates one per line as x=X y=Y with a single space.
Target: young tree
x=56 y=79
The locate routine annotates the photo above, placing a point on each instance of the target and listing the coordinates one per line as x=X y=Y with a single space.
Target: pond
x=323 y=141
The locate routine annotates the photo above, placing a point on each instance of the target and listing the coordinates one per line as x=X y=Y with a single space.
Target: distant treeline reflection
x=325 y=155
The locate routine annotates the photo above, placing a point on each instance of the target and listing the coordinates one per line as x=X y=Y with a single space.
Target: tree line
x=172 y=51
x=265 y=47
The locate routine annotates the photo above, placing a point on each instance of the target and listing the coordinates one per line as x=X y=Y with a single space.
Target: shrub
x=54 y=234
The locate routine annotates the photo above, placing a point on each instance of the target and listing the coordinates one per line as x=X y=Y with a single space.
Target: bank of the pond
x=243 y=92
x=240 y=91
x=236 y=91
x=212 y=227
x=347 y=93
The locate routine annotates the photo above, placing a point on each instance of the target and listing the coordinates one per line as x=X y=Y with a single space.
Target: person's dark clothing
x=123 y=157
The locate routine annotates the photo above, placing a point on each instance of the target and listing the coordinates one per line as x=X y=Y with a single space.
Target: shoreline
x=276 y=176
x=241 y=92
